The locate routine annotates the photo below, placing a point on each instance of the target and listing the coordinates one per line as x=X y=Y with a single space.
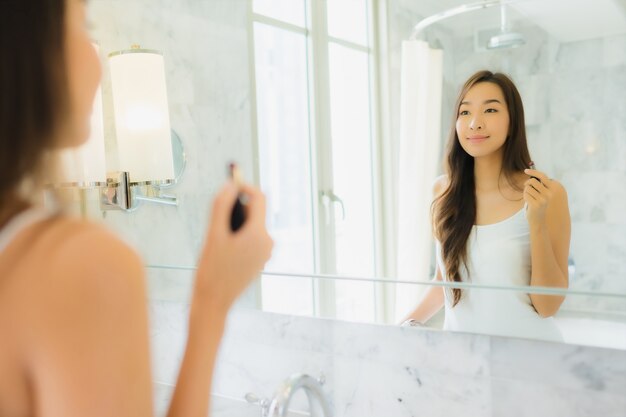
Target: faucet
x=279 y=405
x=571 y=268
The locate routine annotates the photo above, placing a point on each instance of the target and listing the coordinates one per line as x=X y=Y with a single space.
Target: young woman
x=496 y=221
x=73 y=317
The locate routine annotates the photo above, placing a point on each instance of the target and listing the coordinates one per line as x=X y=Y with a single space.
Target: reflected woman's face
x=83 y=74
x=482 y=123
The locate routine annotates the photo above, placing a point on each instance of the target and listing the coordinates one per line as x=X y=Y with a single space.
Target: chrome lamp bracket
x=121 y=194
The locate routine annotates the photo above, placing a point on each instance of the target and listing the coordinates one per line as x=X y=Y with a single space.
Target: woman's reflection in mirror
x=495 y=221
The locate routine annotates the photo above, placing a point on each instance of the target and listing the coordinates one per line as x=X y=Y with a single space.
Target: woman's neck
x=487 y=172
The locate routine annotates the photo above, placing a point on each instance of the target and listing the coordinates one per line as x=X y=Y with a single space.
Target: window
x=314 y=81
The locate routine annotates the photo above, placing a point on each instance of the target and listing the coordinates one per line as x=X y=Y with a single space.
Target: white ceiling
x=566 y=20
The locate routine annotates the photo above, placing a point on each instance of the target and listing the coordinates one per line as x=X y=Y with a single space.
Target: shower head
x=506 y=38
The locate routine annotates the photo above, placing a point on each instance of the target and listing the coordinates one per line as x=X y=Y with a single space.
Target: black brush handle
x=238 y=215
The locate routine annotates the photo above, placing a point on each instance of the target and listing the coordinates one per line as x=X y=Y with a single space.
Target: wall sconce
x=142 y=123
x=151 y=155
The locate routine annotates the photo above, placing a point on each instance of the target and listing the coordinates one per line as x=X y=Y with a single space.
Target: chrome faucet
x=279 y=405
x=571 y=268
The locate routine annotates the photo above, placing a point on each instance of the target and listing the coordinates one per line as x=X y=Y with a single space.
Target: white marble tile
x=532 y=90
x=612 y=308
x=414 y=348
x=582 y=55
x=168 y=332
x=559 y=365
x=170 y=285
x=374 y=370
x=614 y=51
x=596 y=196
x=404 y=366
x=599 y=249
x=373 y=388
x=524 y=399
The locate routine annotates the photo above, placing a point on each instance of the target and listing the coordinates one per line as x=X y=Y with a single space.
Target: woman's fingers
x=255 y=220
x=222 y=207
x=225 y=201
x=532 y=193
x=255 y=204
x=542 y=177
x=535 y=194
x=537 y=185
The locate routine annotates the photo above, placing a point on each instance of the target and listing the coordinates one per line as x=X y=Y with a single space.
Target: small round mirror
x=180 y=159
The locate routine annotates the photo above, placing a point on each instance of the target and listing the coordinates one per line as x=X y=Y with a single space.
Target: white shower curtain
x=420 y=144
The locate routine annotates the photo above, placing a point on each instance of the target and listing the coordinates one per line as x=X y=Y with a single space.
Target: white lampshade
x=85 y=165
x=142 y=119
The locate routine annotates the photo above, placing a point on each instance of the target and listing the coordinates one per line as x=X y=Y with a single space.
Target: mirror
x=323 y=136
x=363 y=201
x=179 y=159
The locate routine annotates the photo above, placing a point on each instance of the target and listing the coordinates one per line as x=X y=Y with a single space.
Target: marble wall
x=374 y=370
x=576 y=127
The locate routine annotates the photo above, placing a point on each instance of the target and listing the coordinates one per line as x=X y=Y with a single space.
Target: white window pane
x=355 y=301
x=352 y=160
x=290 y=11
x=348 y=20
x=284 y=158
x=287 y=295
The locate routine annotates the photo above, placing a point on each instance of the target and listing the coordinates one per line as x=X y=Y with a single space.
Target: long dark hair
x=454 y=211
x=33 y=90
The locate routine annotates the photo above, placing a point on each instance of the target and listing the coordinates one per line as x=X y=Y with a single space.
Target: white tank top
x=20 y=223
x=498 y=254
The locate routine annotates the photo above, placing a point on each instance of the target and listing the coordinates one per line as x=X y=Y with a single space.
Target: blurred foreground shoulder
x=88 y=261
x=88 y=340
x=85 y=245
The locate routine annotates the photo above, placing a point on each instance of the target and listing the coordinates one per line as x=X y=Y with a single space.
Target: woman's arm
x=550 y=231
x=227 y=264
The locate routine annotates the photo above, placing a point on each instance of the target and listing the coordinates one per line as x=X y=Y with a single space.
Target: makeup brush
x=238 y=214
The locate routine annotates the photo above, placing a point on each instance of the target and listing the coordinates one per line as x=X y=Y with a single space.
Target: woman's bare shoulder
x=70 y=242
x=72 y=257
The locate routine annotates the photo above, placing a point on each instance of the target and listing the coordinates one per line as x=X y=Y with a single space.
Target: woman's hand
x=230 y=261
x=538 y=196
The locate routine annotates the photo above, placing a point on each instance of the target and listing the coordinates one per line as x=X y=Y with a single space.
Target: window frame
x=383 y=187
